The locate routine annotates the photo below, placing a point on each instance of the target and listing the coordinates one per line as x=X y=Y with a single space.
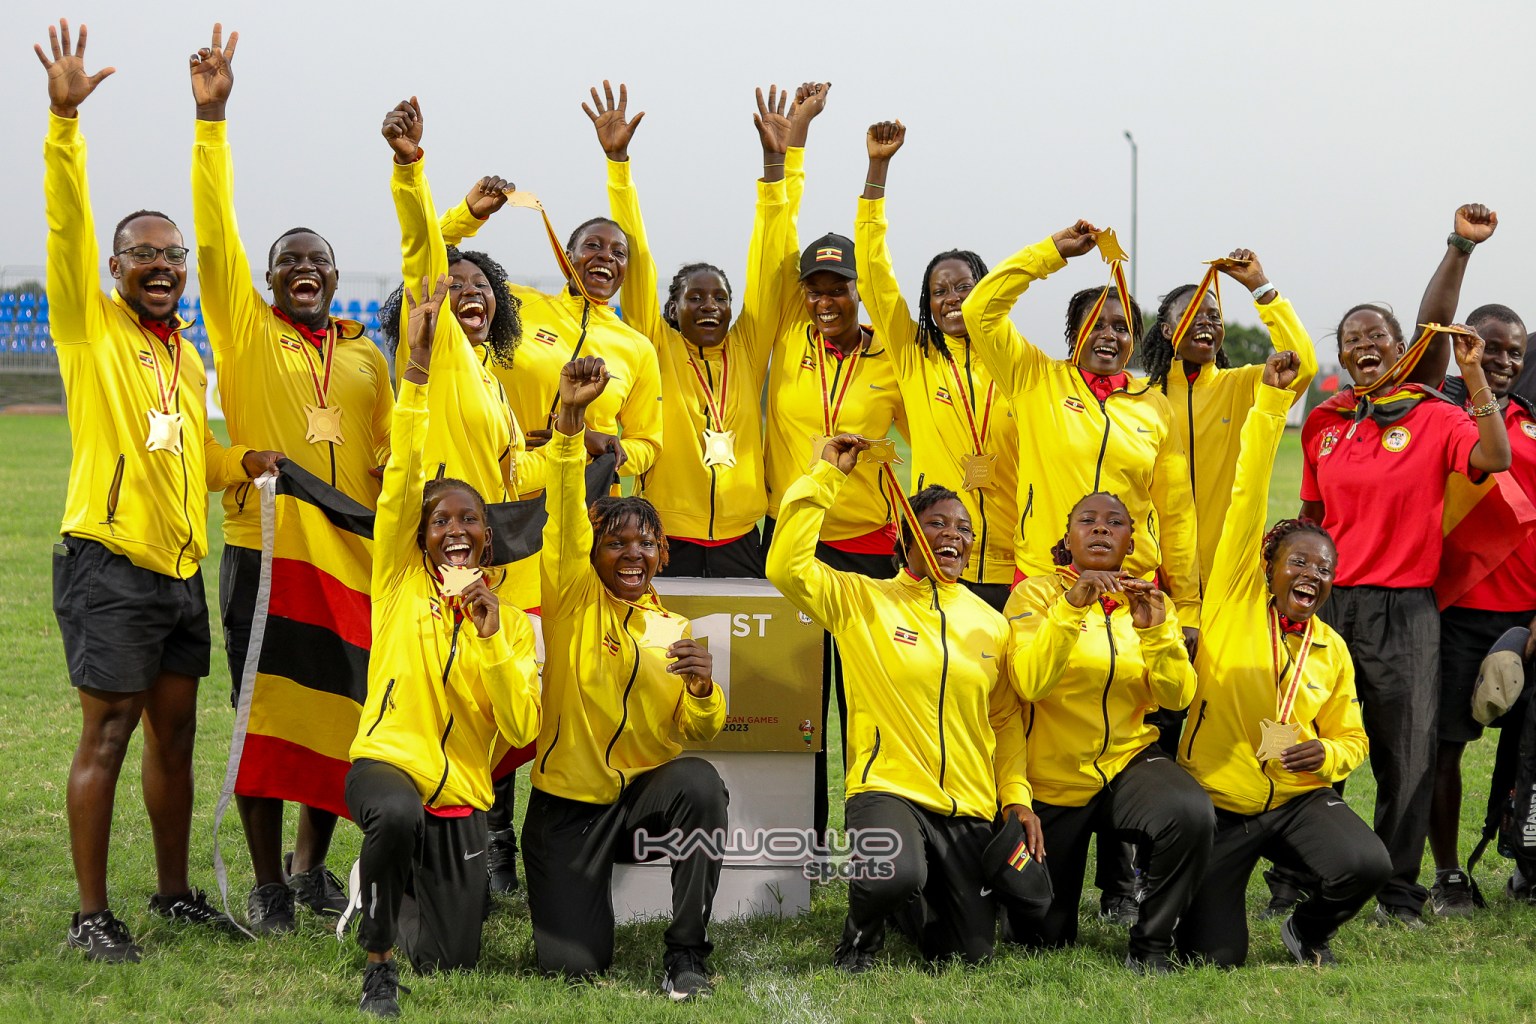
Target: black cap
x=1009 y=870
x=829 y=252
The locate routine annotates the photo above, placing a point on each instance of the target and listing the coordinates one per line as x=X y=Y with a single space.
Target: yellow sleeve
x=232 y=307
x=511 y=678
x=383 y=412
x=1008 y=759
x=1287 y=334
x=1236 y=576
x=772 y=263
x=458 y=224
x=398 y=517
x=566 y=558
x=424 y=256
x=1341 y=729
x=642 y=310
x=223 y=467
x=1169 y=672
x=532 y=465
x=1043 y=640
x=824 y=594
x=791 y=301
x=74 y=290
x=1176 y=526
x=700 y=719
x=1015 y=363
x=640 y=416
x=889 y=313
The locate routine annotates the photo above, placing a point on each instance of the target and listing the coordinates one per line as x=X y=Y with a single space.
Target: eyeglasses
x=175 y=255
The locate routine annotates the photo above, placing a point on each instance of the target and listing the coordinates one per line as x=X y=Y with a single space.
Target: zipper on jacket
x=1098 y=467
x=1191 y=394
x=624 y=718
x=1109 y=681
x=874 y=752
x=443 y=746
x=389 y=688
x=112 y=494
x=709 y=374
x=1271 y=798
x=1189 y=749
x=544 y=761
x=954 y=805
x=453 y=650
x=1029 y=508
x=332 y=446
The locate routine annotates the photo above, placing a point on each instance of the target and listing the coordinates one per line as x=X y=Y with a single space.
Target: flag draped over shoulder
x=1483 y=525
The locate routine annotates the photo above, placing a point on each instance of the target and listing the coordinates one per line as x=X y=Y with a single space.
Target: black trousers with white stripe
x=425 y=886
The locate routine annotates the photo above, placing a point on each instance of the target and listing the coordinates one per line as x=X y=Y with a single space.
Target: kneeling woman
x=1266 y=659
x=1095 y=650
x=450 y=685
x=927 y=685
x=606 y=765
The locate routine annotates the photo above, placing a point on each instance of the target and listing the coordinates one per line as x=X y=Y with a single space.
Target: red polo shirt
x=1383 y=489
x=1512 y=586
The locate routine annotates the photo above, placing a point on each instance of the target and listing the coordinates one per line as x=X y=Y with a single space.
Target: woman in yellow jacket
x=707 y=484
x=1265 y=658
x=934 y=728
x=963 y=430
x=451 y=684
x=1095 y=649
x=1088 y=426
x=606 y=766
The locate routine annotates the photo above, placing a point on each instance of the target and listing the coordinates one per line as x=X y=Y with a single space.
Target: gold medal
x=324 y=424
x=880 y=453
x=1275 y=738
x=818 y=445
x=457 y=578
x=662 y=630
x=978 y=470
x=164 y=432
x=719 y=448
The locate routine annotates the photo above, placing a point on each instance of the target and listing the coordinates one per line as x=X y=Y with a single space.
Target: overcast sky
x=1334 y=138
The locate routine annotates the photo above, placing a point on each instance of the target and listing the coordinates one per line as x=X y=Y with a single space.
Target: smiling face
x=1206 y=332
x=1099 y=533
x=1367 y=346
x=1109 y=344
x=454 y=530
x=150 y=289
x=703 y=309
x=832 y=303
x=948 y=285
x=600 y=256
x=1301 y=576
x=1503 y=353
x=947 y=526
x=473 y=300
x=626 y=558
x=302 y=276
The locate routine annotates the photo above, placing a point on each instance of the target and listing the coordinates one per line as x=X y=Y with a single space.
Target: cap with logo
x=831 y=252
x=1009 y=870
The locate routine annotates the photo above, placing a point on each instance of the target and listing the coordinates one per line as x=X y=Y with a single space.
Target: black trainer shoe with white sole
x=318 y=888
x=269 y=908
x=1451 y=895
x=381 y=990
x=1309 y=954
x=687 y=977
x=193 y=908
x=103 y=937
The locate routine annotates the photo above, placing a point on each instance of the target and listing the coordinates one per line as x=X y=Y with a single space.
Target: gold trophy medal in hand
x=880 y=452
x=1110 y=248
x=1226 y=263
x=1275 y=738
x=662 y=630
x=457 y=578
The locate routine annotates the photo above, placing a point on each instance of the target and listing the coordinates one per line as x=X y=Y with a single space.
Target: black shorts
x=124 y=625
x=1466 y=637
x=239 y=580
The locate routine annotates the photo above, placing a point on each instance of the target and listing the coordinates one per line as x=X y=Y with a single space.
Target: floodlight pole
x=1132 y=140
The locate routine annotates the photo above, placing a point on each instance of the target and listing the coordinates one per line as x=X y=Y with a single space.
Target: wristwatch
x=1466 y=245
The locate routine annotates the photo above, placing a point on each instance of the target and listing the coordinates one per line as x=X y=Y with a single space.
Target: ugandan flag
x=1483 y=525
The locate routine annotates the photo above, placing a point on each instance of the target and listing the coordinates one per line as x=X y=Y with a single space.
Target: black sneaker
x=501 y=860
x=269 y=908
x=687 y=977
x=381 y=990
x=1123 y=911
x=1451 y=895
x=104 y=938
x=1519 y=889
x=1401 y=917
x=318 y=888
x=851 y=959
x=1151 y=964
x=1314 y=954
x=193 y=908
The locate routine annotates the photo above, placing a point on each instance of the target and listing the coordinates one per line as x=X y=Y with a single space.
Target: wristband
x=871 y=184
x=1466 y=245
x=1263 y=290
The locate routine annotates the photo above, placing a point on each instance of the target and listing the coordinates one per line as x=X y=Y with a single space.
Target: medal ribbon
x=1399 y=371
x=322 y=384
x=1210 y=282
x=166 y=390
x=530 y=201
x=978 y=434
x=903 y=510
x=1117 y=282
x=716 y=406
x=829 y=407
x=1276 y=645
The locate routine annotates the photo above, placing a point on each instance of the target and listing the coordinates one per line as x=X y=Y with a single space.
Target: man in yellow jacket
x=283 y=367
x=127 y=589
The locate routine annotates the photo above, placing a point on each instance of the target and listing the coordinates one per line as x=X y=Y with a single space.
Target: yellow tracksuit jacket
x=1072 y=444
x=1209 y=415
x=631 y=405
x=1090 y=678
x=941 y=431
x=931 y=714
x=612 y=710
x=1235 y=663
x=695 y=501
x=151 y=507
x=442 y=703
x=267 y=369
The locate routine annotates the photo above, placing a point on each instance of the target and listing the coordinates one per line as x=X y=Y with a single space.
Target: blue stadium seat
x=8 y=299
x=372 y=307
x=7 y=314
x=354 y=309
x=372 y=324
x=27 y=300
x=336 y=307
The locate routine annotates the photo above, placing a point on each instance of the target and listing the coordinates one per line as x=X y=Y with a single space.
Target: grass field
x=768 y=970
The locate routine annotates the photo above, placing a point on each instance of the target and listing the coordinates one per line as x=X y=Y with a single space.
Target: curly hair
x=1269 y=547
x=506 y=325
x=929 y=337
x=1059 y=553
x=1080 y=303
x=433 y=493
x=608 y=514
x=1157 y=352
x=680 y=279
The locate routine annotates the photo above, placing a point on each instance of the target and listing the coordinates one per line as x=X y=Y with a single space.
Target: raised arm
x=1491 y=453
x=1286 y=332
x=888 y=311
x=642 y=311
x=1473 y=223
x=565 y=562
x=74 y=289
x=772 y=257
x=822 y=593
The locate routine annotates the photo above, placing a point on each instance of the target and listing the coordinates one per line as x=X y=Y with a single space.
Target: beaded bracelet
x=1479 y=411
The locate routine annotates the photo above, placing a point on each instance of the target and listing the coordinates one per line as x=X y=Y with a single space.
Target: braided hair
x=1059 y=553
x=1081 y=303
x=1157 y=352
x=679 y=280
x=506 y=326
x=433 y=493
x=929 y=338
x=1269 y=547
x=608 y=514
